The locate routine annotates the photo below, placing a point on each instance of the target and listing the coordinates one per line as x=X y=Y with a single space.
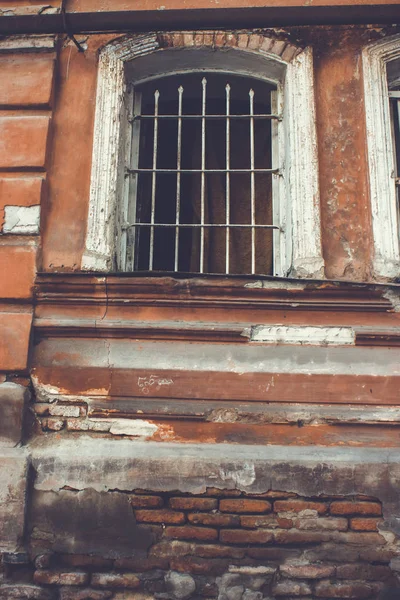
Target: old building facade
x=200 y=307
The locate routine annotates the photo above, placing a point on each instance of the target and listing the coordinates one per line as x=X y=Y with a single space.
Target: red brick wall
x=278 y=544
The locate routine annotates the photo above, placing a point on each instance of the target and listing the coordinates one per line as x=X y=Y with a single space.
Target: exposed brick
x=43 y=561
x=323 y=523
x=199 y=566
x=276 y=494
x=193 y=503
x=294 y=536
x=239 y=536
x=325 y=589
x=382 y=554
x=23 y=141
x=222 y=493
x=53 y=424
x=216 y=520
x=129 y=581
x=61 y=577
x=191 y=533
x=159 y=516
x=167 y=548
x=174 y=548
x=87 y=425
x=29 y=80
x=269 y=521
x=359 y=524
x=218 y=551
x=84 y=560
x=307 y=571
x=273 y=553
x=333 y=552
x=146 y=501
x=288 y=588
x=299 y=505
x=25 y=592
x=244 y=505
x=363 y=572
x=141 y=564
x=356 y=508
x=62 y=410
x=84 y=594
x=358 y=538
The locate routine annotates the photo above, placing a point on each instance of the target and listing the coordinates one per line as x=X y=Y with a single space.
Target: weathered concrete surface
x=12 y=401
x=308 y=471
x=13 y=484
x=87 y=521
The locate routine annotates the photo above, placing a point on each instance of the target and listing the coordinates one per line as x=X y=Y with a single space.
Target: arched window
x=204 y=157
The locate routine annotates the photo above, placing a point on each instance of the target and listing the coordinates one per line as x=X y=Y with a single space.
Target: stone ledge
x=124 y=465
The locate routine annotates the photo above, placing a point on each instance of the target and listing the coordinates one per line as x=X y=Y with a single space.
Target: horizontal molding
x=215 y=332
x=187 y=385
x=211 y=292
x=242 y=412
x=90 y=328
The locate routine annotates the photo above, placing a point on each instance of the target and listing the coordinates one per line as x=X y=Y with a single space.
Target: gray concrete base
x=84 y=468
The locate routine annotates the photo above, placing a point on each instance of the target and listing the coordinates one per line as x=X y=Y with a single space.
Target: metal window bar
x=178 y=177
x=203 y=166
x=263 y=116
x=227 y=177
x=134 y=170
x=252 y=185
x=154 y=178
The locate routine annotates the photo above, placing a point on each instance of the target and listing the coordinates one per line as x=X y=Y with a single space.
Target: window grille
x=395 y=112
x=201 y=175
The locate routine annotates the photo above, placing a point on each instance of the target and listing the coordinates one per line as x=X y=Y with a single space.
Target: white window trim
x=386 y=261
x=297 y=147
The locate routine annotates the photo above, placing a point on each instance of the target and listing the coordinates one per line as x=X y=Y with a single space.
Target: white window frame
x=386 y=261
x=298 y=251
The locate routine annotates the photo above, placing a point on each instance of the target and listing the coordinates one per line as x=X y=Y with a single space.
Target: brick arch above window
x=289 y=66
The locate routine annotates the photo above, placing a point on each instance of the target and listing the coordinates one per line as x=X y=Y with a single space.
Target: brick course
x=356 y=508
x=245 y=506
x=193 y=503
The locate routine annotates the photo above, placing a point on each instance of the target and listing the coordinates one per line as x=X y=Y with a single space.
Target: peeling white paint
x=380 y=155
x=21 y=219
x=303 y=335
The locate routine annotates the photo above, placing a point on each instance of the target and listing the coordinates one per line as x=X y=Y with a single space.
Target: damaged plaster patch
x=304 y=335
x=242 y=475
x=135 y=427
x=32 y=43
x=394 y=297
x=275 y=285
x=21 y=219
